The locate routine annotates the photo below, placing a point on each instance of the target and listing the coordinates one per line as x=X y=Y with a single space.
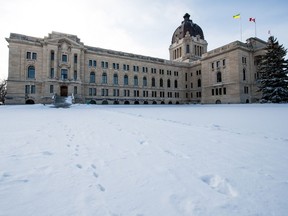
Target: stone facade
x=61 y=64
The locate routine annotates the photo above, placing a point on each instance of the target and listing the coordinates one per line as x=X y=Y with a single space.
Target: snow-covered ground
x=219 y=160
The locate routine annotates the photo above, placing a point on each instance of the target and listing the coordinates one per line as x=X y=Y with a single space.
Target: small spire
x=186 y=17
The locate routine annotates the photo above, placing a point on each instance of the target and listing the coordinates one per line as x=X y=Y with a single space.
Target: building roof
x=187 y=26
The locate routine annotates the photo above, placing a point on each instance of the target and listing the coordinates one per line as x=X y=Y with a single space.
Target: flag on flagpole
x=237 y=16
x=252 y=19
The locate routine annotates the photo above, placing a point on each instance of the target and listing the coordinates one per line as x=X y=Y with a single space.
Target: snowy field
x=196 y=160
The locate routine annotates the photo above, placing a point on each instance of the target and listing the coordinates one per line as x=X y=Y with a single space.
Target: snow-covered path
x=144 y=160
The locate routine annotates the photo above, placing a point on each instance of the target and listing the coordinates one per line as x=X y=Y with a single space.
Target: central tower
x=188 y=43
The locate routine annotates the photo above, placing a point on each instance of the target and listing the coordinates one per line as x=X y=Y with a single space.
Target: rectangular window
x=64 y=58
x=33 y=89
x=223 y=62
x=212 y=91
x=51 y=89
x=212 y=65
x=27 y=89
x=216 y=91
x=224 y=91
x=34 y=56
x=75 y=75
x=94 y=63
x=218 y=64
x=90 y=63
x=64 y=74
x=75 y=90
x=28 y=55
x=52 y=73
x=220 y=91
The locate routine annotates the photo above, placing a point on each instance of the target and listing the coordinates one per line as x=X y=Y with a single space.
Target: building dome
x=187 y=25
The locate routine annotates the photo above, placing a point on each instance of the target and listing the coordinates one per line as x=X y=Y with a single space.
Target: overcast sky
x=138 y=26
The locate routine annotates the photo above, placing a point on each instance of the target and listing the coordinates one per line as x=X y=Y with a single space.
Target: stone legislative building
x=63 y=65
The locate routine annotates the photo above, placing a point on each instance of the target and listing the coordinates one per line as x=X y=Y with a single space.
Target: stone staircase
x=64 y=102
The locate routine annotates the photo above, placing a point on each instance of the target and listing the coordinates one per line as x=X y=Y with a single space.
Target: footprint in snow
x=79 y=166
x=101 y=188
x=219 y=184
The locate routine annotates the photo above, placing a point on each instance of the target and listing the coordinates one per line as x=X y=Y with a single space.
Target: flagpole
x=255 y=29
x=241 y=28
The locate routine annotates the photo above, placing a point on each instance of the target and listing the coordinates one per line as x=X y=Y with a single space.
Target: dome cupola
x=187 y=25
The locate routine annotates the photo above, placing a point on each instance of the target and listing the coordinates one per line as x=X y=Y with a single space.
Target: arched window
x=115 y=79
x=244 y=74
x=135 y=81
x=199 y=82
x=175 y=84
x=144 y=81
x=104 y=78
x=219 y=77
x=168 y=83
x=31 y=72
x=92 y=77
x=125 y=80
x=161 y=82
x=153 y=82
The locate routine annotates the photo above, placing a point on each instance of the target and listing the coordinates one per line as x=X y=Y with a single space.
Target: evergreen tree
x=273 y=71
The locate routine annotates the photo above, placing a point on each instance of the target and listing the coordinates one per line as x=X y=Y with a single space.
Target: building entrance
x=64 y=91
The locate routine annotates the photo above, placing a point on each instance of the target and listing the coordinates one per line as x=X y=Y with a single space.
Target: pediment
x=65 y=41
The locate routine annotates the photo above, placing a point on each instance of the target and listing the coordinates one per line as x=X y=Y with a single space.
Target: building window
x=115 y=79
x=92 y=91
x=33 y=89
x=52 y=55
x=28 y=55
x=161 y=82
x=94 y=63
x=244 y=74
x=116 y=92
x=219 y=77
x=144 y=81
x=223 y=62
x=246 y=90
x=34 y=56
x=64 y=58
x=64 y=74
x=168 y=83
x=115 y=66
x=126 y=80
x=218 y=64
x=224 y=91
x=104 y=78
x=31 y=72
x=51 y=89
x=153 y=82
x=199 y=82
x=75 y=90
x=75 y=75
x=104 y=65
x=175 y=84
x=104 y=92
x=52 y=73
x=187 y=48
x=135 y=81
x=90 y=63
x=75 y=58
x=212 y=65
x=92 y=77
x=212 y=91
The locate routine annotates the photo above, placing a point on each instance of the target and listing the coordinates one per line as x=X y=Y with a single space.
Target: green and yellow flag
x=237 y=16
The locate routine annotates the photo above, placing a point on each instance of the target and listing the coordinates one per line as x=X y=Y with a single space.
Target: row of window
x=64 y=57
x=136 y=93
x=218 y=91
x=135 y=80
x=31 y=55
x=218 y=64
